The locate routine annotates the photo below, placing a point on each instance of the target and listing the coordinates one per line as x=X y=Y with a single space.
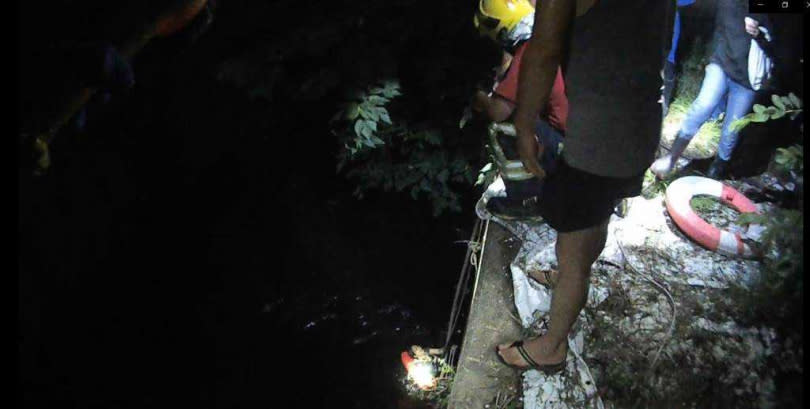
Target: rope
x=658 y=286
x=483 y=247
x=470 y=259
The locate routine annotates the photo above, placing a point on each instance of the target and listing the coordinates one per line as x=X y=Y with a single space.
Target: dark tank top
x=612 y=75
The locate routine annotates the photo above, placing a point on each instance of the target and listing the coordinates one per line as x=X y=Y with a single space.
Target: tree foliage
x=778 y=294
x=392 y=155
x=396 y=134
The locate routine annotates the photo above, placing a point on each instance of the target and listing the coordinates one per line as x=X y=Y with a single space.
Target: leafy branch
x=789 y=105
x=364 y=112
x=379 y=152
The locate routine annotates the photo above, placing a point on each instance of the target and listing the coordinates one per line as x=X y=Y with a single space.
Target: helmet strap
x=522 y=32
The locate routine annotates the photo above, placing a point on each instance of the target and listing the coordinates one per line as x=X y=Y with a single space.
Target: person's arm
x=754 y=25
x=544 y=53
x=497 y=109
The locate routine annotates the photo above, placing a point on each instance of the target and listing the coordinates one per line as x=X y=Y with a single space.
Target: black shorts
x=572 y=199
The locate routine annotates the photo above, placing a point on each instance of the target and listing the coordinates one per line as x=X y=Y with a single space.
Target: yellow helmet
x=495 y=18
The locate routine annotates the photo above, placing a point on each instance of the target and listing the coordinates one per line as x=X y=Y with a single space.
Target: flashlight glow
x=421 y=373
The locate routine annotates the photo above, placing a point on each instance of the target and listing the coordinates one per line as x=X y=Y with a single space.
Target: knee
x=702 y=105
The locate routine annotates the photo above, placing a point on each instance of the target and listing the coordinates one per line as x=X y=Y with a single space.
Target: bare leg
x=576 y=252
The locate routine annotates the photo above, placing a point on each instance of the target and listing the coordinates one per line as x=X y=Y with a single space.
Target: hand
x=529 y=149
x=752 y=26
x=479 y=101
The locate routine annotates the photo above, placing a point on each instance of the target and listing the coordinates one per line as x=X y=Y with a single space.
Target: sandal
x=548 y=282
x=549 y=369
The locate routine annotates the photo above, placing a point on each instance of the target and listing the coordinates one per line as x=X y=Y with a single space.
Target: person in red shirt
x=500 y=104
x=509 y=23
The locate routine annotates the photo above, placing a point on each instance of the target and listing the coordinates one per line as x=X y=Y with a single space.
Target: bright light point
x=421 y=373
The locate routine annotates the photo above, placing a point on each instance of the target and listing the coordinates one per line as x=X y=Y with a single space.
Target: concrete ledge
x=479 y=374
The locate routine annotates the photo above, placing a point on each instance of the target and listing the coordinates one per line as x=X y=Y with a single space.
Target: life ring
x=407 y=359
x=678 y=196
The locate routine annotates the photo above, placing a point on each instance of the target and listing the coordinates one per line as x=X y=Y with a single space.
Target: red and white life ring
x=678 y=197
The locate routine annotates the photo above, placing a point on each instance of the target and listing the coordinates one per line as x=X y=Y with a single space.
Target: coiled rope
x=471 y=262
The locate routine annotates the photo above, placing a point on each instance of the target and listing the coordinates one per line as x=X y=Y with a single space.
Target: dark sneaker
x=514 y=209
x=717 y=170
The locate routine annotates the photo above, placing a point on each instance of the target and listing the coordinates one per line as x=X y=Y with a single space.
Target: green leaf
x=432 y=137
x=352 y=110
x=796 y=150
x=777 y=101
x=795 y=100
x=391 y=93
x=739 y=124
x=759 y=117
x=487 y=167
x=371 y=114
x=377 y=100
x=391 y=89
x=384 y=117
x=759 y=108
x=358 y=127
x=778 y=114
x=366 y=129
x=750 y=218
x=443 y=175
x=368 y=142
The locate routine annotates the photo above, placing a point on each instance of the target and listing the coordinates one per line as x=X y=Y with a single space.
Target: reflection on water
x=359 y=319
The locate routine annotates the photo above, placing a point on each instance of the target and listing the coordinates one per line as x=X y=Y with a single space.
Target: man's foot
x=514 y=209
x=662 y=167
x=541 y=355
x=666 y=164
x=547 y=278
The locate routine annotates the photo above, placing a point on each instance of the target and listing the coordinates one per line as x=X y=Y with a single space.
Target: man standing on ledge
x=612 y=52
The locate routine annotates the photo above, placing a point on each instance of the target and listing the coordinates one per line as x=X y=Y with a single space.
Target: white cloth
x=575 y=387
x=760 y=65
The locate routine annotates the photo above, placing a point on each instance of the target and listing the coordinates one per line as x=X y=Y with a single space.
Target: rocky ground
x=663 y=324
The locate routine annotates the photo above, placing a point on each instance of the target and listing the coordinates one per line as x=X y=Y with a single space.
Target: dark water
x=193 y=248
x=196 y=265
